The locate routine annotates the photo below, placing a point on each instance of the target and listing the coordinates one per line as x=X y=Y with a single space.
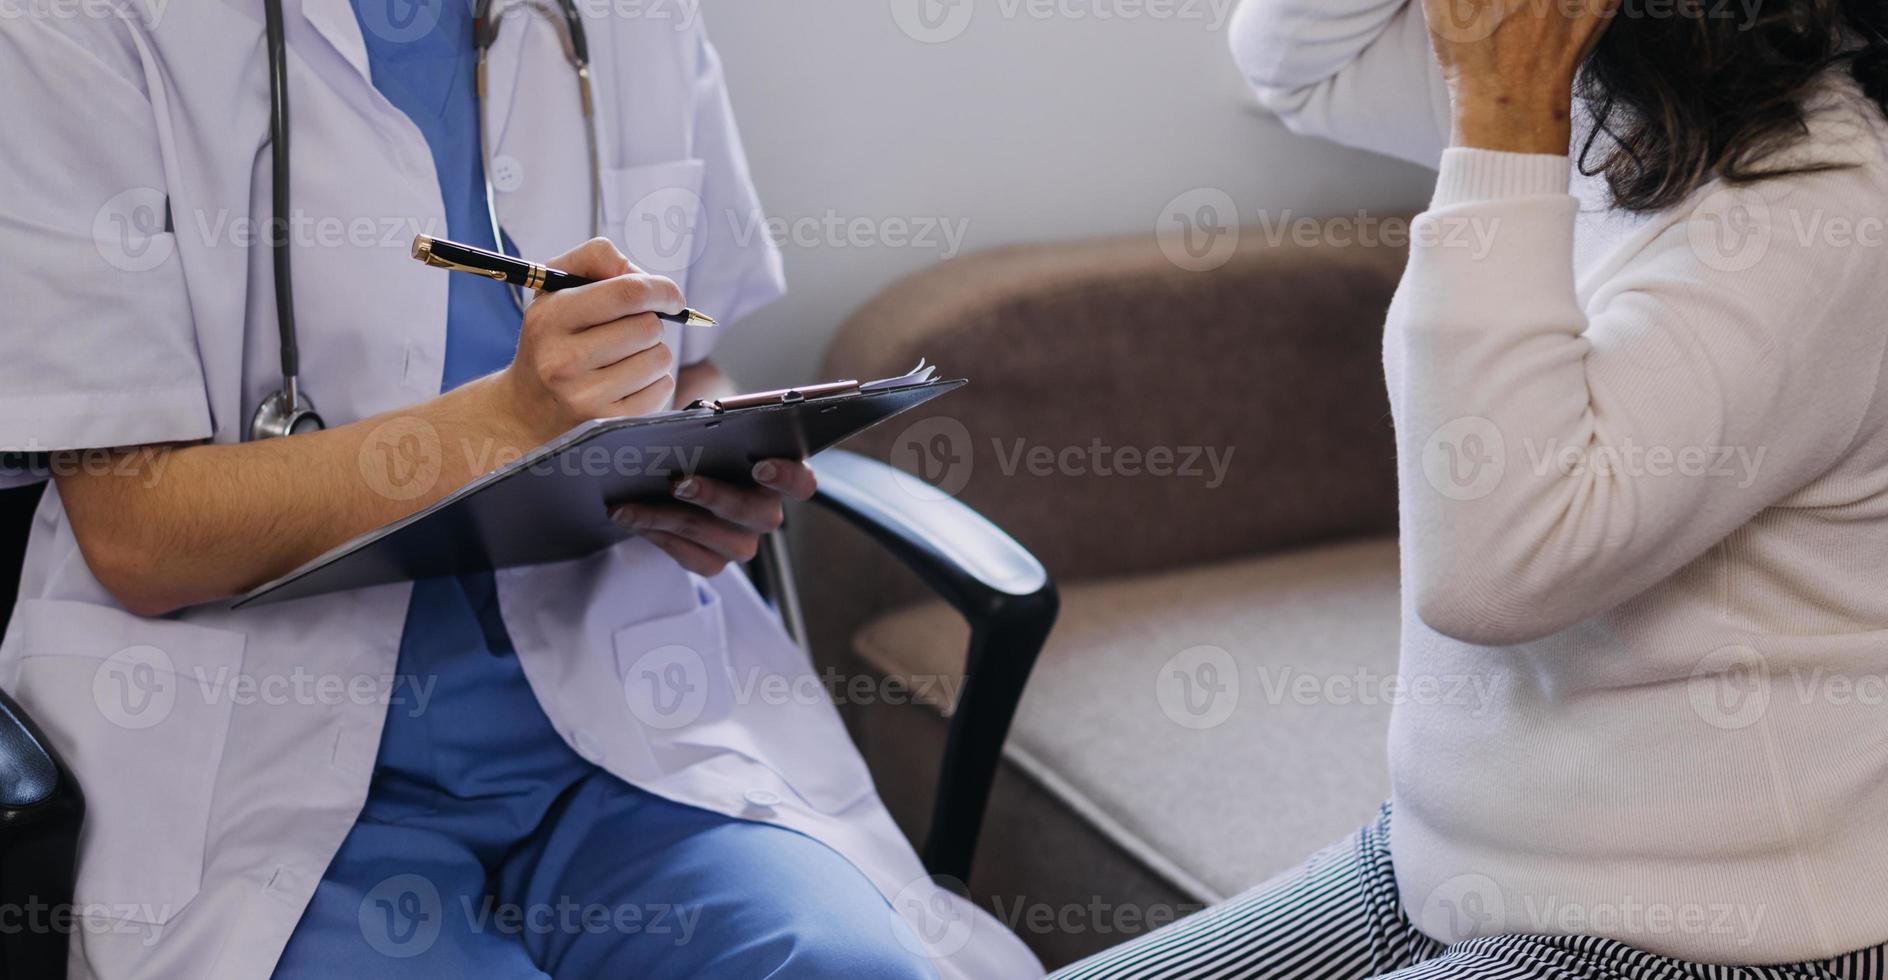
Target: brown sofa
x=1137 y=783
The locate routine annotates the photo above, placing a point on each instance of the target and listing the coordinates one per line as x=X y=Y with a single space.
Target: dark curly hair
x=1715 y=88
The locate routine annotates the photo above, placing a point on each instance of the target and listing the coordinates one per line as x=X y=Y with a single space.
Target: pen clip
x=423 y=250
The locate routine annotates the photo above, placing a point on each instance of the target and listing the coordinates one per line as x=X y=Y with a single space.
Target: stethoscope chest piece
x=284 y=413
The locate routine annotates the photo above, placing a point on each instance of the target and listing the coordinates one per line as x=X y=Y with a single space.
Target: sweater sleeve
x=1560 y=457
x=1359 y=72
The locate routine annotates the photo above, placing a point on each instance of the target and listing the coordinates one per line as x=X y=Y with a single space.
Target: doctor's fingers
x=598 y=258
x=637 y=385
x=691 y=524
x=607 y=343
x=582 y=307
x=757 y=510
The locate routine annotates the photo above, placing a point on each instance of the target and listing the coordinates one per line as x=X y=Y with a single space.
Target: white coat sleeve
x=97 y=342
x=1357 y=72
x=738 y=269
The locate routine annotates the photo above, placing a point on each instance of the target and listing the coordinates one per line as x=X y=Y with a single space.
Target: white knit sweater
x=1644 y=491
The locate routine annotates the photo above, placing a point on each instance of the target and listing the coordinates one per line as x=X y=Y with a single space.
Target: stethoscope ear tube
x=285 y=412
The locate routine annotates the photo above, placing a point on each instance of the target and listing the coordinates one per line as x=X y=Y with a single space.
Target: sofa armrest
x=1247 y=401
x=996 y=585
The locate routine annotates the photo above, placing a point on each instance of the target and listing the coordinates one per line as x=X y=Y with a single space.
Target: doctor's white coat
x=225 y=754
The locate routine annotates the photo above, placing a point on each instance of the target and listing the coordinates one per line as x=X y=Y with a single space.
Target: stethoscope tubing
x=283 y=412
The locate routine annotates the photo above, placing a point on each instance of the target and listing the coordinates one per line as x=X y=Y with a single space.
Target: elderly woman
x=1643 y=455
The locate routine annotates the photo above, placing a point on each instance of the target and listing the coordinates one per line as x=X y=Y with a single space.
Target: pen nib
x=697 y=318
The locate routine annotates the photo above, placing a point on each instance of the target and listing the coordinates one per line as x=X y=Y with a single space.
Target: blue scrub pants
x=488 y=849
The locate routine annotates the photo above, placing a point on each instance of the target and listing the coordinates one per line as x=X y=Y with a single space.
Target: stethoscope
x=289 y=411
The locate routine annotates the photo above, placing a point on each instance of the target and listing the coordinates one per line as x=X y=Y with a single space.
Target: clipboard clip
x=781 y=396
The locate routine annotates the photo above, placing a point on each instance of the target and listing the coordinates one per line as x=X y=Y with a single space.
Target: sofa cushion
x=1212 y=791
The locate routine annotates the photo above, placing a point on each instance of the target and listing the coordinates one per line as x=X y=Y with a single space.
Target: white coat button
x=507 y=173
x=588 y=746
x=765 y=799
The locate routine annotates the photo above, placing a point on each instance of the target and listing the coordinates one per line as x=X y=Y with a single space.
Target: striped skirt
x=1339 y=918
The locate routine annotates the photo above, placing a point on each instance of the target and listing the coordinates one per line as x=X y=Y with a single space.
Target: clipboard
x=553 y=503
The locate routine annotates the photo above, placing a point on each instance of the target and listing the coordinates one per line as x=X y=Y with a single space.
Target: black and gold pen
x=442 y=254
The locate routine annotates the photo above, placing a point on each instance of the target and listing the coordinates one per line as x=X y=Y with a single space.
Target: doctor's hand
x=594 y=351
x=715 y=522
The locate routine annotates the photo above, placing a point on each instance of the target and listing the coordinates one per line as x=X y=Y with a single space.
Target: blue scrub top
x=481 y=736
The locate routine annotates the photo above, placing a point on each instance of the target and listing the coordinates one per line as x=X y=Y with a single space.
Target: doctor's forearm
x=180 y=525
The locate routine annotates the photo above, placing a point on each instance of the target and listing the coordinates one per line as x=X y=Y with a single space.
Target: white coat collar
x=335 y=21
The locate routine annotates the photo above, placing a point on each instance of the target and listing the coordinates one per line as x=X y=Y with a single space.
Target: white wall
x=1031 y=121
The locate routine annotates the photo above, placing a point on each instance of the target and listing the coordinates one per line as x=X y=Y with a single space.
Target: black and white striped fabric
x=1338 y=918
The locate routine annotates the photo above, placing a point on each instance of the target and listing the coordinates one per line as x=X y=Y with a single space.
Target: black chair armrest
x=995 y=584
x=41 y=811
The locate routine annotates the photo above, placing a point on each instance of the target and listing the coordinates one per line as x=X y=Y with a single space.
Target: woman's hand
x=1510 y=65
x=717 y=522
x=594 y=351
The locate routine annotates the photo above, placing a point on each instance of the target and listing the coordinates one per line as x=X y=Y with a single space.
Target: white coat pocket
x=139 y=709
